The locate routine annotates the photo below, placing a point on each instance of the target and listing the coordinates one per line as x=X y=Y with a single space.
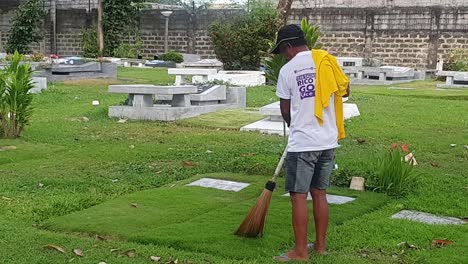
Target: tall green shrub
x=394 y=175
x=457 y=60
x=173 y=56
x=89 y=41
x=26 y=28
x=239 y=43
x=15 y=99
x=128 y=51
x=120 y=20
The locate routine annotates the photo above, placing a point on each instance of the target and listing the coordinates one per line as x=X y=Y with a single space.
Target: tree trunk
x=284 y=9
x=100 y=30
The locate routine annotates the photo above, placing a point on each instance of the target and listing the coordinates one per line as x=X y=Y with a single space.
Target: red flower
x=405 y=148
x=394 y=146
x=53 y=56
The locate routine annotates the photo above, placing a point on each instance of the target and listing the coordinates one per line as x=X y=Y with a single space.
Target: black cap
x=288 y=33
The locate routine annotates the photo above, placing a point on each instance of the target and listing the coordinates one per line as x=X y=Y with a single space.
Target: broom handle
x=280 y=164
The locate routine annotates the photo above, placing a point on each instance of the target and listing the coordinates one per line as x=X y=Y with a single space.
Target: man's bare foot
x=320 y=251
x=292 y=256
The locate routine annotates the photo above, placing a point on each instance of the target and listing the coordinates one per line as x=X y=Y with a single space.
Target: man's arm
x=285 y=106
x=348 y=91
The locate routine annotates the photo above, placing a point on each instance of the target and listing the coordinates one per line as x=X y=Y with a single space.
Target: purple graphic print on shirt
x=306 y=85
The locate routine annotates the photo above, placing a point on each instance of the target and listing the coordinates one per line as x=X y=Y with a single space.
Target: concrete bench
x=198 y=75
x=391 y=72
x=454 y=78
x=142 y=95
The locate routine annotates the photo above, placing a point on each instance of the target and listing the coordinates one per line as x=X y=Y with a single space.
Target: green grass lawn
x=101 y=164
x=197 y=219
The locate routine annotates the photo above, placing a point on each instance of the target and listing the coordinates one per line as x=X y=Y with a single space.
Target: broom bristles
x=254 y=223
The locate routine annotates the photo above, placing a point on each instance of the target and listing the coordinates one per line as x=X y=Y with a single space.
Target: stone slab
x=332 y=199
x=383 y=73
x=205 y=63
x=400 y=88
x=427 y=218
x=399 y=72
x=71 y=68
x=273 y=125
x=215 y=93
x=453 y=86
x=188 y=57
x=350 y=111
x=191 y=71
x=220 y=184
x=356 y=81
x=107 y=71
x=165 y=112
x=40 y=84
x=243 y=78
x=273 y=109
x=266 y=126
x=160 y=64
x=450 y=89
x=457 y=76
x=152 y=89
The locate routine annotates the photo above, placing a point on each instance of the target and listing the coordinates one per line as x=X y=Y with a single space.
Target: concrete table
x=142 y=95
x=199 y=75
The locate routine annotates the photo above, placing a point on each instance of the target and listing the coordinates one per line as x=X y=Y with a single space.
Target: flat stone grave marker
x=219 y=184
x=427 y=218
x=332 y=199
x=401 y=88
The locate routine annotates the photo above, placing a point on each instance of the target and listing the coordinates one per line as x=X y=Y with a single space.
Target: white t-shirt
x=297 y=82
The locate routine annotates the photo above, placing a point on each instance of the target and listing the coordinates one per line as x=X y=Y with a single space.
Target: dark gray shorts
x=307 y=170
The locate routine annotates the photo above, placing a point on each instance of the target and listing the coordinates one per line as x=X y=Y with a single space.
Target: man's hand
x=348 y=91
x=285 y=106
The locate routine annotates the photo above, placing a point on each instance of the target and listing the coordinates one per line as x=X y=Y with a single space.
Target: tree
x=239 y=43
x=284 y=9
x=120 y=18
x=26 y=28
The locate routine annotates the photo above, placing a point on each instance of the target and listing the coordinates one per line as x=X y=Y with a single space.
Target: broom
x=254 y=223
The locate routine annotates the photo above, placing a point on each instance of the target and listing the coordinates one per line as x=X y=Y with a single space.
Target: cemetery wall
x=411 y=36
x=405 y=36
x=187 y=33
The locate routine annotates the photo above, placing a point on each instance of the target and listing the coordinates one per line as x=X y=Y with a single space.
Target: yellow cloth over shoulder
x=330 y=80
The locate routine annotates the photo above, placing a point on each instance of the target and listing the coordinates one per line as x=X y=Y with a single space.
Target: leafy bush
x=129 y=51
x=37 y=57
x=457 y=60
x=15 y=99
x=394 y=174
x=26 y=27
x=172 y=56
x=89 y=42
x=239 y=43
x=273 y=65
x=120 y=20
x=274 y=62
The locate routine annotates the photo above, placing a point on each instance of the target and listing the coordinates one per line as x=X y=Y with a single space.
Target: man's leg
x=299 y=173
x=321 y=216
x=320 y=182
x=300 y=220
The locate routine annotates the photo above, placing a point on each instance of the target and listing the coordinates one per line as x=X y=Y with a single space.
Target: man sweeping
x=310 y=87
